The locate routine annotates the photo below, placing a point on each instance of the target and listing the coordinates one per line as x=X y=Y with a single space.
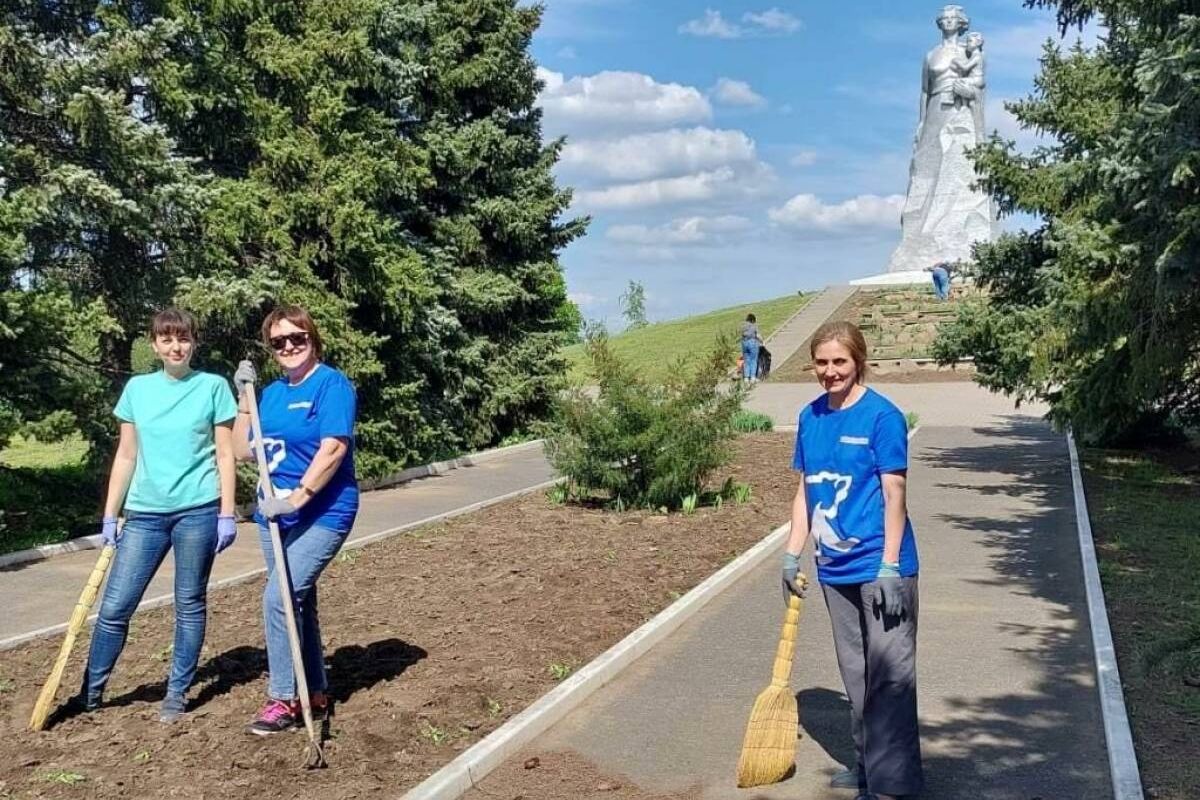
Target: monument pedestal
x=895 y=279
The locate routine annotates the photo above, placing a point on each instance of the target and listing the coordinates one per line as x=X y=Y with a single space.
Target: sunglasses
x=298 y=339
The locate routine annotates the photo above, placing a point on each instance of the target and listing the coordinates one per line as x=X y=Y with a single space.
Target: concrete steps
x=792 y=335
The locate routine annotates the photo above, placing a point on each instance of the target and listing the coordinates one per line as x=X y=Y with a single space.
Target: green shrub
x=752 y=422
x=639 y=444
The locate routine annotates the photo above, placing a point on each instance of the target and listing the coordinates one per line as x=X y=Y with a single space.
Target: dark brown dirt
x=433 y=639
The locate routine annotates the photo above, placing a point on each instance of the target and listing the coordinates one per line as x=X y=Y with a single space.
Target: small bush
x=645 y=445
x=752 y=422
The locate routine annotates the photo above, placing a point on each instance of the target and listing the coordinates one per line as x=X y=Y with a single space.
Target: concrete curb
x=454 y=779
x=460 y=775
x=351 y=544
x=92 y=542
x=1122 y=758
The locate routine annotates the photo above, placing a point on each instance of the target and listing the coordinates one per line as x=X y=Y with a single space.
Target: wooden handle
x=41 y=709
x=281 y=569
x=782 y=670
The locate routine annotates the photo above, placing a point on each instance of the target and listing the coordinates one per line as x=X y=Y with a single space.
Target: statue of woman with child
x=944 y=214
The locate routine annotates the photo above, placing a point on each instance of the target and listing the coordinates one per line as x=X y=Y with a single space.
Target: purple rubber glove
x=226 y=531
x=275 y=507
x=108 y=531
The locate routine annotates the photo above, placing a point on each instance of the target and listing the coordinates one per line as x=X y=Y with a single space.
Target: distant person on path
x=852 y=456
x=174 y=475
x=308 y=427
x=941 y=279
x=751 y=341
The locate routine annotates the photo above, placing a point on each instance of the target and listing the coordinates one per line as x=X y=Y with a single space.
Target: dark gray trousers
x=878 y=660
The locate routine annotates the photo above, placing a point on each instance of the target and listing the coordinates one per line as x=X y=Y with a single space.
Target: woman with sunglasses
x=308 y=430
x=174 y=476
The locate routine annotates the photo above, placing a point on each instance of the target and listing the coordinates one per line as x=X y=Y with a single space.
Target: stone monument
x=943 y=214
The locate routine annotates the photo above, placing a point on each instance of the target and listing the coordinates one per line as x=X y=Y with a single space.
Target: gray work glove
x=244 y=376
x=891 y=590
x=275 y=507
x=794 y=582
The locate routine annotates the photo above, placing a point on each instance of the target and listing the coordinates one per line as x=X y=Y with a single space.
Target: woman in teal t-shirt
x=174 y=477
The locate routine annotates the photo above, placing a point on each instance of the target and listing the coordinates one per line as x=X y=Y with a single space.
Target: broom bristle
x=769 y=749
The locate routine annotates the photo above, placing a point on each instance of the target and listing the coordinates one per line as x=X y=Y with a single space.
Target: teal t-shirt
x=177 y=453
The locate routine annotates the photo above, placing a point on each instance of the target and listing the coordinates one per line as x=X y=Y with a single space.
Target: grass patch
x=752 y=422
x=652 y=350
x=911 y=418
x=46 y=495
x=1143 y=510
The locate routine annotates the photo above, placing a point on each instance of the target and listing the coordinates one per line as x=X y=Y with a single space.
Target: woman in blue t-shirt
x=852 y=456
x=308 y=428
x=174 y=476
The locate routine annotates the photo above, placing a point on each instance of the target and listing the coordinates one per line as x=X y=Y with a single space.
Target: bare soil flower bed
x=433 y=639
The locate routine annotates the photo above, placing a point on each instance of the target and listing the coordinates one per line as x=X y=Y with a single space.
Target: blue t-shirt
x=294 y=421
x=177 y=453
x=843 y=454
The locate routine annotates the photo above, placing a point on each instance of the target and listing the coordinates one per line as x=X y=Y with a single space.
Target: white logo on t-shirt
x=822 y=531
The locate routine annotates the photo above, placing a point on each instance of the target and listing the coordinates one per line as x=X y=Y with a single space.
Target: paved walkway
x=1007 y=688
x=792 y=335
x=40 y=594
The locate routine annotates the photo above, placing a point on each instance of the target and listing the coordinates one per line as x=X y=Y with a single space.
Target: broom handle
x=782 y=670
x=281 y=571
x=41 y=709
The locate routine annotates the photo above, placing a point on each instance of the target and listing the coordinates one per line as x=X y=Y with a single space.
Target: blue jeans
x=307 y=550
x=749 y=358
x=941 y=283
x=143 y=545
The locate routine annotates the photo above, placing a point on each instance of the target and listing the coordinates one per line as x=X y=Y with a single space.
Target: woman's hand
x=226 y=531
x=794 y=582
x=108 y=531
x=245 y=375
x=275 y=507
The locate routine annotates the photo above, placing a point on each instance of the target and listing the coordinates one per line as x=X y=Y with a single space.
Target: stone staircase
x=791 y=338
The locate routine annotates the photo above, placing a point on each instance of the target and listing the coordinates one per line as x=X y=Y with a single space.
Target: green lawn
x=1144 y=509
x=654 y=348
x=45 y=494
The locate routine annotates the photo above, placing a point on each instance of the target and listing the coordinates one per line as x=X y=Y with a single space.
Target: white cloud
x=711 y=24
x=584 y=299
x=567 y=52
x=772 y=22
x=660 y=154
x=803 y=158
x=806 y=212
x=725 y=183
x=737 y=93
x=682 y=231
x=617 y=100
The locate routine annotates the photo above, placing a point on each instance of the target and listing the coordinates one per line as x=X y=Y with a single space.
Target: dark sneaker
x=173 y=706
x=275 y=716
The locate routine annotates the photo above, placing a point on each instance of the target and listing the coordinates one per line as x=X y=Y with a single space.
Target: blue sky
x=732 y=150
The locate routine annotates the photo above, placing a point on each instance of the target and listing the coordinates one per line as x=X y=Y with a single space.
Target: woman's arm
x=226 y=467
x=799 y=534
x=241 y=432
x=121 y=474
x=895 y=514
x=323 y=467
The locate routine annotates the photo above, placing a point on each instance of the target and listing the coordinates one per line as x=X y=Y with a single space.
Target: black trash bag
x=764 y=362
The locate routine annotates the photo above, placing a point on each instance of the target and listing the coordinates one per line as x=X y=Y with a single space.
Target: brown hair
x=173 y=322
x=847 y=335
x=298 y=316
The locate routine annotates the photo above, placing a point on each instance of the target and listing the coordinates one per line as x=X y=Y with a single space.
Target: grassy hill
x=654 y=348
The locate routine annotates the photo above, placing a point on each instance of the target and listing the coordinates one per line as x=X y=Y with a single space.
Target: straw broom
x=41 y=709
x=769 y=749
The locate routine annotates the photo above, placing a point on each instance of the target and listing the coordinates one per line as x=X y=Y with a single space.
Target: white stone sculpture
x=943 y=215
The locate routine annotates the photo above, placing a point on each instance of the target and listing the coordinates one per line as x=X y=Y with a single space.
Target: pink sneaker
x=275 y=716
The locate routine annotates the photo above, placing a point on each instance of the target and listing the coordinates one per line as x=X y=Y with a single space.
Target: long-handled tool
x=769 y=749
x=313 y=756
x=41 y=709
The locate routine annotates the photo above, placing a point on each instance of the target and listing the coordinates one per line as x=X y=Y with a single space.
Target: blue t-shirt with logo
x=294 y=421
x=843 y=453
x=176 y=448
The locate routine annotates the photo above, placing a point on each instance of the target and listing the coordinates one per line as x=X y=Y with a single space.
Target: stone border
x=473 y=765
x=351 y=544
x=92 y=542
x=1122 y=758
